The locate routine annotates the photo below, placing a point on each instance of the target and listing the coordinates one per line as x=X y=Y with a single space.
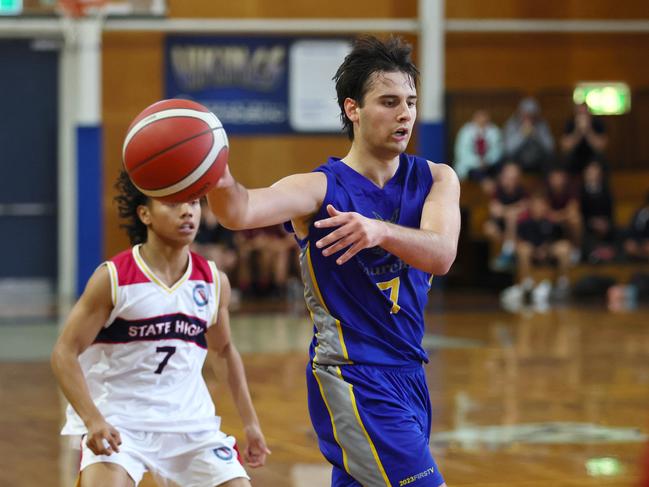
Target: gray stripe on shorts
x=362 y=464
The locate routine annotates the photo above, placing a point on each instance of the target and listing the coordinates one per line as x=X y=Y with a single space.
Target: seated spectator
x=540 y=242
x=528 y=139
x=508 y=203
x=596 y=202
x=563 y=199
x=478 y=149
x=265 y=259
x=215 y=242
x=584 y=137
x=636 y=242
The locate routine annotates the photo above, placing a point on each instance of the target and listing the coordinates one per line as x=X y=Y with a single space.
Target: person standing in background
x=584 y=138
x=478 y=150
x=528 y=140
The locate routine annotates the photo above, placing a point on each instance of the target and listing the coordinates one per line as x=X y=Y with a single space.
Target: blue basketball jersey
x=369 y=310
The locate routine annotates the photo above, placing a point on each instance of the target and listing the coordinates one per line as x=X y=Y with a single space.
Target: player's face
x=389 y=110
x=174 y=223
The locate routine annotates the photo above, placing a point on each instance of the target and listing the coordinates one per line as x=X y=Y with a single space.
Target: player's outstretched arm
x=295 y=196
x=219 y=341
x=431 y=248
x=87 y=317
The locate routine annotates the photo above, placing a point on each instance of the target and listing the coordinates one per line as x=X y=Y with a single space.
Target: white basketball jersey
x=144 y=369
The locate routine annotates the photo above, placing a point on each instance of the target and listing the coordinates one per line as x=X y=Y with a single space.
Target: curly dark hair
x=370 y=55
x=128 y=199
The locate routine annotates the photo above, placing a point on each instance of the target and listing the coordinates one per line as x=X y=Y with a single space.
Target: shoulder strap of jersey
x=217 y=290
x=112 y=273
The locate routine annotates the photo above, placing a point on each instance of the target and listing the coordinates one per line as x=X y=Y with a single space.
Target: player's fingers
x=114 y=441
x=94 y=448
x=117 y=437
x=257 y=461
x=226 y=179
x=334 y=221
x=99 y=446
x=338 y=246
x=94 y=443
x=107 y=446
x=333 y=237
x=250 y=457
x=351 y=252
x=332 y=210
x=262 y=447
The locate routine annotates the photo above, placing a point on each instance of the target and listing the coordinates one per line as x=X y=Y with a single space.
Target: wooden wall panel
x=507 y=9
x=132 y=80
x=531 y=62
x=260 y=161
x=293 y=9
x=547 y=9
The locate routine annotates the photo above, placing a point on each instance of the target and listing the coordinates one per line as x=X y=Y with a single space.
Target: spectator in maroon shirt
x=563 y=199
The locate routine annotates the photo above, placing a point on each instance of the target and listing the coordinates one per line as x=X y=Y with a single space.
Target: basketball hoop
x=74 y=12
x=80 y=8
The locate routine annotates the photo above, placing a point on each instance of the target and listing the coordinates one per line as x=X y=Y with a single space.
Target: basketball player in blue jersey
x=374 y=228
x=130 y=359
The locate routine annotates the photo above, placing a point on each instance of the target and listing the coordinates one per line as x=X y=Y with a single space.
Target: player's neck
x=168 y=263
x=378 y=168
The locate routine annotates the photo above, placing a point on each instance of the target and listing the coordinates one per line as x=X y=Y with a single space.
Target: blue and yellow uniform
x=368 y=398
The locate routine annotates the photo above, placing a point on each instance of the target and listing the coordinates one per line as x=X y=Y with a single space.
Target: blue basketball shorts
x=373 y=424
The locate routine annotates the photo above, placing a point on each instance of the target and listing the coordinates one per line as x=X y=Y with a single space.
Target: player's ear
x=351 y=109
x=144 y=214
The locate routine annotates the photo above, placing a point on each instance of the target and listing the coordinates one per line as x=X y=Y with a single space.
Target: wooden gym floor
x=531 y=399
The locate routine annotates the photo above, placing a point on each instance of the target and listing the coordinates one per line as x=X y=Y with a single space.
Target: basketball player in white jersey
x=130 y=357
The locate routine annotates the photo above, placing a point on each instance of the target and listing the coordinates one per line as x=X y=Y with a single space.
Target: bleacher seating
x=629 y=188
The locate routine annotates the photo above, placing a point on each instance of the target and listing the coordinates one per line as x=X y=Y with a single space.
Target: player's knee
x=524 y=249
x=105 y=475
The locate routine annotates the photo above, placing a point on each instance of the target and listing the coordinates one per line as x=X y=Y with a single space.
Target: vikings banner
x=258 y=85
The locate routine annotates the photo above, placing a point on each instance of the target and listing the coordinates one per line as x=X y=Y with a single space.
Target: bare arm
x=596 y=140
x=570 y=141
x=295 y=196
x=87 y=317
x=218 y=339
x=496 y=208
x=584 y=129
x=432 y=247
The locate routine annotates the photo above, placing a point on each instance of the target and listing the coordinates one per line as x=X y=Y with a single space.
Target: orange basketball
x=175 y=150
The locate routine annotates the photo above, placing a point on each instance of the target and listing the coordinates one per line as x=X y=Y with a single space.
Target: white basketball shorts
x=203 y=459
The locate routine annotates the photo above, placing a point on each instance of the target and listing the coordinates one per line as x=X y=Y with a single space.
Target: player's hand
x=354 y=231
x=103 y=438
x=226 y=180
x=256 y=449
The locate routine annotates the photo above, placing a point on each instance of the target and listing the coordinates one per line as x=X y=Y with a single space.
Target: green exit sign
x=604 y=466
x=11 y=7
x=604 y=98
